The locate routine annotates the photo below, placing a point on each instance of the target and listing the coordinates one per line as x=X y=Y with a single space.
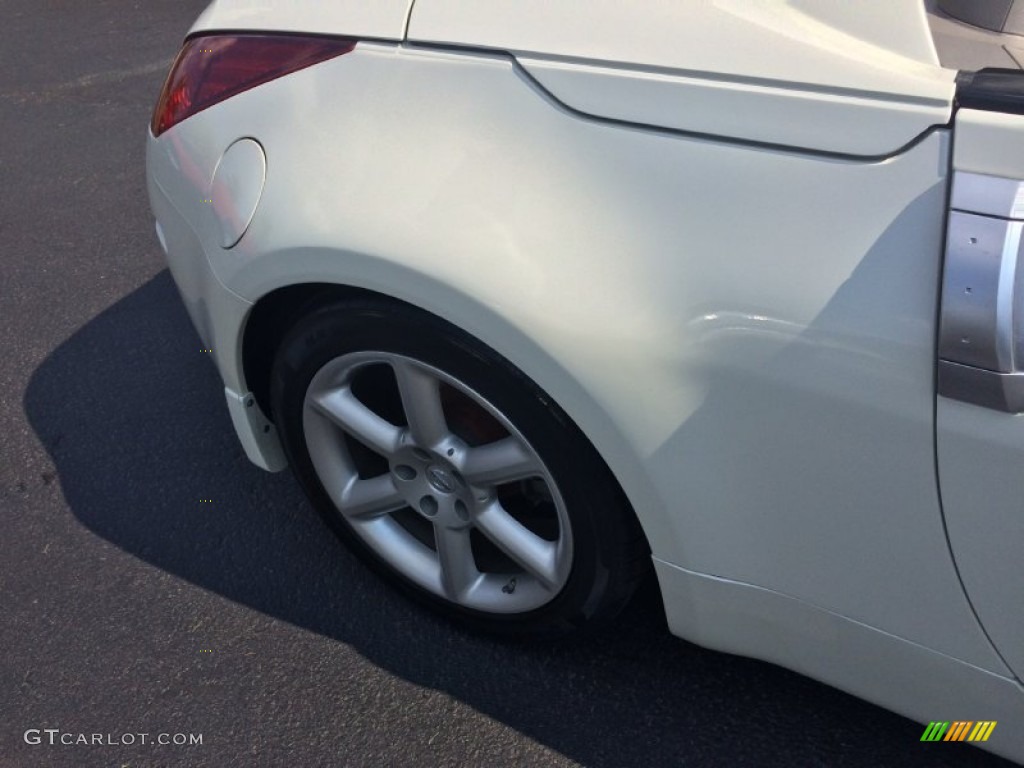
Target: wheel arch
x=269 y=321
x=276 y=311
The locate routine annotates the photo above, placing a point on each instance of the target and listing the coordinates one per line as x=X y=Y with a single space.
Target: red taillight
x=216 y=67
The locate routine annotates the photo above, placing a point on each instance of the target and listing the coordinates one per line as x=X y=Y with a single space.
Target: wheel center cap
x=442 y=480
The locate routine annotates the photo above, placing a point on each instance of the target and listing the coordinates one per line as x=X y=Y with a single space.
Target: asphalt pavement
x=129 y=606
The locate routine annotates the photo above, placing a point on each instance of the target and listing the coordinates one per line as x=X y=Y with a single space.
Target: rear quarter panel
x=746 y=335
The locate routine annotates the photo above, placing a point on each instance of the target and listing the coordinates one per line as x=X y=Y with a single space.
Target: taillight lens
x=212 y=68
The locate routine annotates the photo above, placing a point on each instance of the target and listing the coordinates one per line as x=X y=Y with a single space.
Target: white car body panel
x=981 y=453
x=989 y=143
x=385 y=19
x=872 y=45
x=831 y=64
x=747 y=334
x=980 y=450
x=763 y=112
x=741 y=345
x=904 y=676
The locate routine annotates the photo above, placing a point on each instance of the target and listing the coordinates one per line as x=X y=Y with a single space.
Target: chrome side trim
x=971 y=291
x=1005 y=300
x=981 y=333
x=990 y=389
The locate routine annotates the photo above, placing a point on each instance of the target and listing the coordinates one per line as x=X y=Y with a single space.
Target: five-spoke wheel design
x=450 y=472
x=437 y=482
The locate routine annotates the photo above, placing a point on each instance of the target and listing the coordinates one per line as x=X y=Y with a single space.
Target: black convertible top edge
x=991 y=90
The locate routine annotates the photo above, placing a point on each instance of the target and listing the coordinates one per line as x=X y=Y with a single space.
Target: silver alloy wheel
x=457 y=486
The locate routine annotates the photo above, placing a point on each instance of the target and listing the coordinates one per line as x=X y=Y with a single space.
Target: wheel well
x=271 y=319
x=274 y=315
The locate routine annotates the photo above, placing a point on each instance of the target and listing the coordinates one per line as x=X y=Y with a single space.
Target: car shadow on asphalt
x=132 y=414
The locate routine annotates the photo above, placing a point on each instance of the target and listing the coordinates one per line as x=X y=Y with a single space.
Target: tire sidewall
x=583 y=481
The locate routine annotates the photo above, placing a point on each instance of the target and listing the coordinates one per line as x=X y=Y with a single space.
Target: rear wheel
x=451 y=473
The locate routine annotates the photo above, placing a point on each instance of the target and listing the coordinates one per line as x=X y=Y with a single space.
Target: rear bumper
x=219 y=316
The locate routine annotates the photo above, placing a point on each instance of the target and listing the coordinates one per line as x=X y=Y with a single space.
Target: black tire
x=609 y=552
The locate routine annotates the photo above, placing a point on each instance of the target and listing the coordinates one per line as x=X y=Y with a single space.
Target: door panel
x=980 y=413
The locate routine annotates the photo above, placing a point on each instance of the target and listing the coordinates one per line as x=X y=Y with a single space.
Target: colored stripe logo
x=959 y=730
